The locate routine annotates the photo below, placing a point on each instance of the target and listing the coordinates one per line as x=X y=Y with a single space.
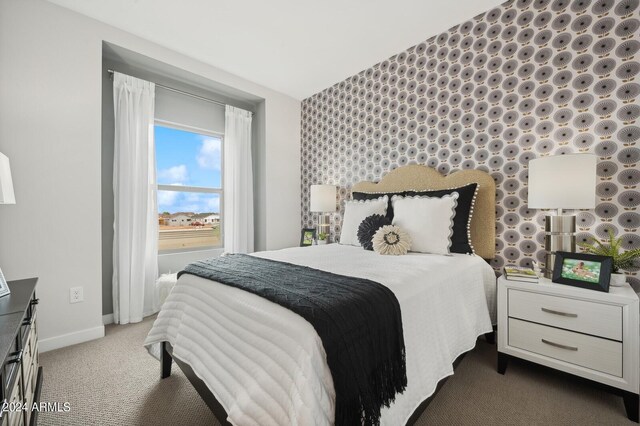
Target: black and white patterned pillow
x=461 y=238
x=368 y=227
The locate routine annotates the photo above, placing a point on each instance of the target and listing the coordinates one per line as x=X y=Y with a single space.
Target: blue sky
x=191 y=159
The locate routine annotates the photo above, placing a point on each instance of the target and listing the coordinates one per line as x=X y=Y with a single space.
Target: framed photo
x=4 y=287
x=583 y=270
x=307 y=237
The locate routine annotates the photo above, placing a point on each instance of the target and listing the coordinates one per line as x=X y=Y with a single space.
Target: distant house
x=212 y=218
x=188 y=218
x=163 y=219
x=179 y=219
x=199 y=217
x=206 y=218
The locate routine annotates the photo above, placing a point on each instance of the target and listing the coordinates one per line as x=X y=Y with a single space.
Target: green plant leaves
x=624 y=260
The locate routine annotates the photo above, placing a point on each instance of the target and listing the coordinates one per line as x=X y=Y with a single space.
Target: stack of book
x=518 y=273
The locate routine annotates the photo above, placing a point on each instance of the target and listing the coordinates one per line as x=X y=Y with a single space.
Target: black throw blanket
x=358 y=320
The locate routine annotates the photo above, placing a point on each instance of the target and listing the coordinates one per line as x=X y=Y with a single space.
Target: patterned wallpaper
x=527 y=79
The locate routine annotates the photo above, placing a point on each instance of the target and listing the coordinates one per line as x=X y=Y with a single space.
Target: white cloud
x=166 y=200
x=213 y=204
x=209 y=155
x=192 y=197
x=175 y=201
x=176 y=174
x=195 y=208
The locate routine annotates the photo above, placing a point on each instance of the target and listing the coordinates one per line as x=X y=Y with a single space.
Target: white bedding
x=266 y=365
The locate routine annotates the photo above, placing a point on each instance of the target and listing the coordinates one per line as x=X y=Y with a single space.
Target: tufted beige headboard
x=421 y=178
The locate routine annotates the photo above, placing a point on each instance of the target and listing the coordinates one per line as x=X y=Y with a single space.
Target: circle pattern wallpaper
x=527 y=79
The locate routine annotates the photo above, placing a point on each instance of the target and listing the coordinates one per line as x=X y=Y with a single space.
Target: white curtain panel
x=238 y=182
x=135 y=239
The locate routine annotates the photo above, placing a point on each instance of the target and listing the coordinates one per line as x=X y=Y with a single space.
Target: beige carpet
x=113 y=381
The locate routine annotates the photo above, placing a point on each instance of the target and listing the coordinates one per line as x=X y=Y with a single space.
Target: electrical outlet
x=75 y=295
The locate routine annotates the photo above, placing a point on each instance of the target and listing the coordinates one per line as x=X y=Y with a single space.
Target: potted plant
x=612 y=248
x=322 y=238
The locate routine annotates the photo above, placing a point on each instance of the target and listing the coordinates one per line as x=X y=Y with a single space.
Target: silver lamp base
x=559 y=235
x=324 y=225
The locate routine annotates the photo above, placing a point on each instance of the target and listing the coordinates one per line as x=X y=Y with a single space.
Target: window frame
x=196 y=189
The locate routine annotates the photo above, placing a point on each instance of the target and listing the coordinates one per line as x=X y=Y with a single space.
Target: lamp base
x=559 y=235
x=324 y=225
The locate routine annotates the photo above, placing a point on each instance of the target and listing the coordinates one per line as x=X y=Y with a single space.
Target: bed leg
x=503 y=359
x=490 y=337
x=165 y=361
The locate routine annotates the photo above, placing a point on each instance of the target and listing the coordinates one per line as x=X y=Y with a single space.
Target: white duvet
x=266 y=365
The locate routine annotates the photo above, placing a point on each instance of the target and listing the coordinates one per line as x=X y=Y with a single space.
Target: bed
x=257 y=363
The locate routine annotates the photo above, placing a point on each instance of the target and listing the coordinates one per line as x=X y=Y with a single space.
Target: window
x=189 y=174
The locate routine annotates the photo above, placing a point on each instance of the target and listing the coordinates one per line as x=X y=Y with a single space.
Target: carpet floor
x=114 y=381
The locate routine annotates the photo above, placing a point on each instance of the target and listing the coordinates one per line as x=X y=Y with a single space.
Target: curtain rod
x=202 y=98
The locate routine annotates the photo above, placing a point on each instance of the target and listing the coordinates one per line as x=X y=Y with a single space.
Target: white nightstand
x=587 y=333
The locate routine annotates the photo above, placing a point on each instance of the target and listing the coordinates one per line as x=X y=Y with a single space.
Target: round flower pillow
x=368 y=228
x=392 y=240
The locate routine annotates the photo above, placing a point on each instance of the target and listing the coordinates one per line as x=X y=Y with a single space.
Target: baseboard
x=107 y=319
x=69 y=339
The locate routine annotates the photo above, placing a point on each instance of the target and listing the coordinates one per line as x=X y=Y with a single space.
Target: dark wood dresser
x=20 y=375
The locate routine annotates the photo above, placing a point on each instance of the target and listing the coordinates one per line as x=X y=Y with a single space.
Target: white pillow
x=357 y=211
x=427 y=220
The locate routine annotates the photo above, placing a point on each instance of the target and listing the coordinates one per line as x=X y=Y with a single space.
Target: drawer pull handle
x=564 y=314
x=558 y=345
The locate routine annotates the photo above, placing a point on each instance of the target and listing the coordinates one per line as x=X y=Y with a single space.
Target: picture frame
x=583 y=270
x=307 y=237
x=4 y=287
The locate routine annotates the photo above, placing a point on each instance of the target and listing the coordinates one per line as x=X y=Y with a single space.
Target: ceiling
x=297 y=47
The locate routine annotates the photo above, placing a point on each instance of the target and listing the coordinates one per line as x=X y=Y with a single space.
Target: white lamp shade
x=563 y=182
x=323 y=198
x=6 y=184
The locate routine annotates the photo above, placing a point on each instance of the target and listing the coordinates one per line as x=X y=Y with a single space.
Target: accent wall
x=521 y=81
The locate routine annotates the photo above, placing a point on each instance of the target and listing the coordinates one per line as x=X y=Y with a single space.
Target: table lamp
x=6 y=184
x=6 y=197
x=323 y=201
x=561 y=182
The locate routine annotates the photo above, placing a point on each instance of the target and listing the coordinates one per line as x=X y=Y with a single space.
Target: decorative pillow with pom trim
x=391 y=240
x=368 y=228
x=429 y=221
x=461 y=238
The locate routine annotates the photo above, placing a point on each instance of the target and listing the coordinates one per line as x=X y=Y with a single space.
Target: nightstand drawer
x=587 y=351
x=586 y=317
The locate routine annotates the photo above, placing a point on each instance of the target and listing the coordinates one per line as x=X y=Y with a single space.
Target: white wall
x=50 y=127
x=282 y=187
